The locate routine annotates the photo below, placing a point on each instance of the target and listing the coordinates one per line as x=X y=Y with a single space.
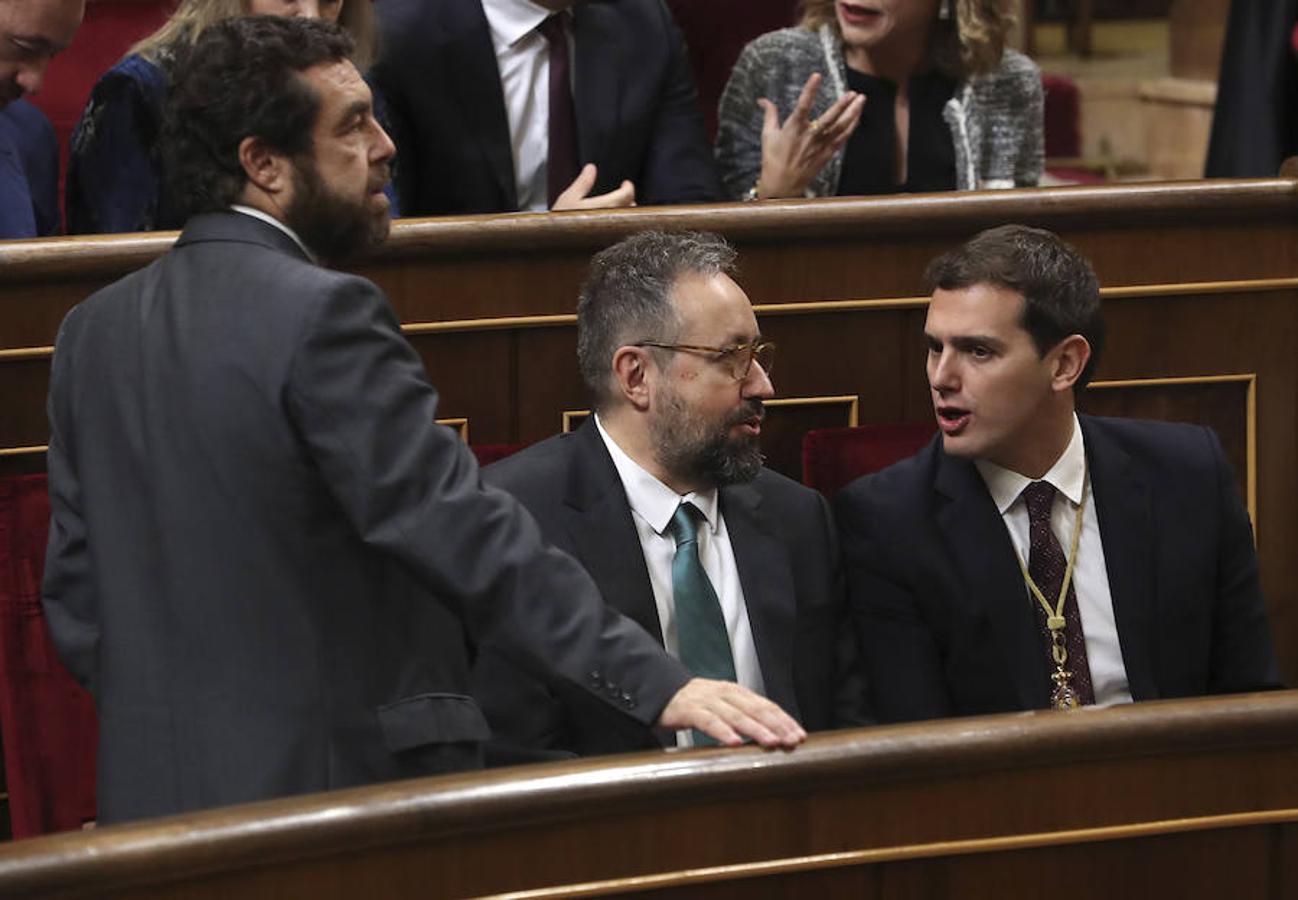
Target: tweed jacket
x=995 y=119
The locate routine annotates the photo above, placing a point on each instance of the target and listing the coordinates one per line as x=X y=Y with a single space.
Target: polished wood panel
x=1183 y=798
x=1200 y=280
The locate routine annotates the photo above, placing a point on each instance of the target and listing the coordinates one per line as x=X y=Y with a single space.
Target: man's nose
x=758 y=382
x=944 y=373
x=384 y=150
x=32 y=76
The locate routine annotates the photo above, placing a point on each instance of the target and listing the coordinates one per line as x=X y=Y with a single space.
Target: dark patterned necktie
x=561 y=159
x=1046 y=565
x=702 y=640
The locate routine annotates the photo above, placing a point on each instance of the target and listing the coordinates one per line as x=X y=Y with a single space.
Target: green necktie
x=701 y=636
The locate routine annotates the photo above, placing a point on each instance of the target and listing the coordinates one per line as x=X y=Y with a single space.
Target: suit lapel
x=598 y=518
x=1122 y=506
x=597 y=88
x=769 y=591
x=469 y=71
x=990 y=578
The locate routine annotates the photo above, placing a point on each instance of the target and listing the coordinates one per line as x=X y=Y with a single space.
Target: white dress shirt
x=1090 y=575
x=523 y=58
x=652 y=506
x=271 y=220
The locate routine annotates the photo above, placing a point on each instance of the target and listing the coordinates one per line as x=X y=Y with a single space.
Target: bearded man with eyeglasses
x=663 y=497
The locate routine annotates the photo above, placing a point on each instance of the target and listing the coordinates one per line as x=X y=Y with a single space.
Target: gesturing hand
x=794 y=153
x=729 y=713
x=575 y=196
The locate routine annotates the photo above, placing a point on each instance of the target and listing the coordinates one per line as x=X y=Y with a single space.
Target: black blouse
x=869 y=155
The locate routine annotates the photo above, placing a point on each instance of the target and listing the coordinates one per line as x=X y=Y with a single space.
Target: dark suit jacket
x=946 y=622
x=29 y=173
x=1255 y=119
x=637 y=110
x=265 y=559
x=787 y=554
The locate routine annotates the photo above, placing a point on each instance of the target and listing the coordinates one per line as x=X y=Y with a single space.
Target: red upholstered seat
x=489 y=453
x=47 y=722
x=832 y=457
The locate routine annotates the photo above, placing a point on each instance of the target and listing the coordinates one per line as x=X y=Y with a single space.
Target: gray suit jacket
x=266 y=562
x=787 y=554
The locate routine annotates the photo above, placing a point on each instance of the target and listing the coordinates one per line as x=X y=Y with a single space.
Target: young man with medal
x=1030 y=557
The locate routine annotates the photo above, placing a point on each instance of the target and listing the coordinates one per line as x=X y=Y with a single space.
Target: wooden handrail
x=456 y=808
x=949 y=212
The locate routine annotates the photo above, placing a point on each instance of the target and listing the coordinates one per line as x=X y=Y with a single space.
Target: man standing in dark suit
x=1030 y=557
x=504 y=105
x=266 y=561
x=667 y=474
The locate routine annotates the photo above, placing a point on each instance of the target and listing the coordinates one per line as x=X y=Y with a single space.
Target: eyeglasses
x=738 y=359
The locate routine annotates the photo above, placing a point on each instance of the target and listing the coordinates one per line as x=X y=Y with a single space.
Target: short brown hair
x=1061 y=295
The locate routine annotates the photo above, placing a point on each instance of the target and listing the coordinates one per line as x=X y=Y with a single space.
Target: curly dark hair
x=240 y=79
x=1060 y=291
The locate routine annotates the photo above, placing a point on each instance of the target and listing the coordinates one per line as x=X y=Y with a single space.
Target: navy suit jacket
x=266 y=562
x=787 y=554
x=637 y=109
x=29 y=173
x=946 y=622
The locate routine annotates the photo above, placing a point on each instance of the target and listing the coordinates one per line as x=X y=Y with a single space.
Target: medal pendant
x=1063 y=696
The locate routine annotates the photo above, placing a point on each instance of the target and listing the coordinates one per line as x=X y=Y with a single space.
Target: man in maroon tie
x=502 y=105
x=1032 y=557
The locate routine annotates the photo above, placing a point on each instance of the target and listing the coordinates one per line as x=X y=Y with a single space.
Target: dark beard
x=334 y=228
x=690 y=450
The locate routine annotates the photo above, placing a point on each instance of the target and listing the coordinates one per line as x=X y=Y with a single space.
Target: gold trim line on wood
x=851 y=401
x=970 y=846
x=1243 y=285
x=1250 y=420
x=459 y=423
x=23 y=451
x=812 y=306
x=490 y=324
x=17 y=354
x=818 y=306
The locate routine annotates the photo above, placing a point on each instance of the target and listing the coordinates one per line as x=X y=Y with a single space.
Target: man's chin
x=960 y=446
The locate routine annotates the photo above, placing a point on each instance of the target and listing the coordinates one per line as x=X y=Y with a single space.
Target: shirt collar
x=649 y=498
x=271 y=220
x=1068 y=474
x=512 y=20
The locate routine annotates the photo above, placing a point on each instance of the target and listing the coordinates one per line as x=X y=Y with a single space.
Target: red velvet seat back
x=832 y=457
x=47 y=721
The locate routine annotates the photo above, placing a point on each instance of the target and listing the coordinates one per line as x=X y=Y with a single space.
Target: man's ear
x=266 y=168
x=1070 y=358
x=632 y=375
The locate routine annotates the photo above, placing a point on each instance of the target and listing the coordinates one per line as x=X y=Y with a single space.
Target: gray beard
x=690 y=450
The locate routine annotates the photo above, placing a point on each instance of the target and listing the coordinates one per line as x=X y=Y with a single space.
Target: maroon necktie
x=1046 y=565
x=561 y=161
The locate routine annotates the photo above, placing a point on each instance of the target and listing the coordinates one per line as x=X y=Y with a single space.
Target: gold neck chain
x=1064 y=696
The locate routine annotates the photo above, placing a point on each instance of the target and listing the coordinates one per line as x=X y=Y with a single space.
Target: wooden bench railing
x=1171 y=799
